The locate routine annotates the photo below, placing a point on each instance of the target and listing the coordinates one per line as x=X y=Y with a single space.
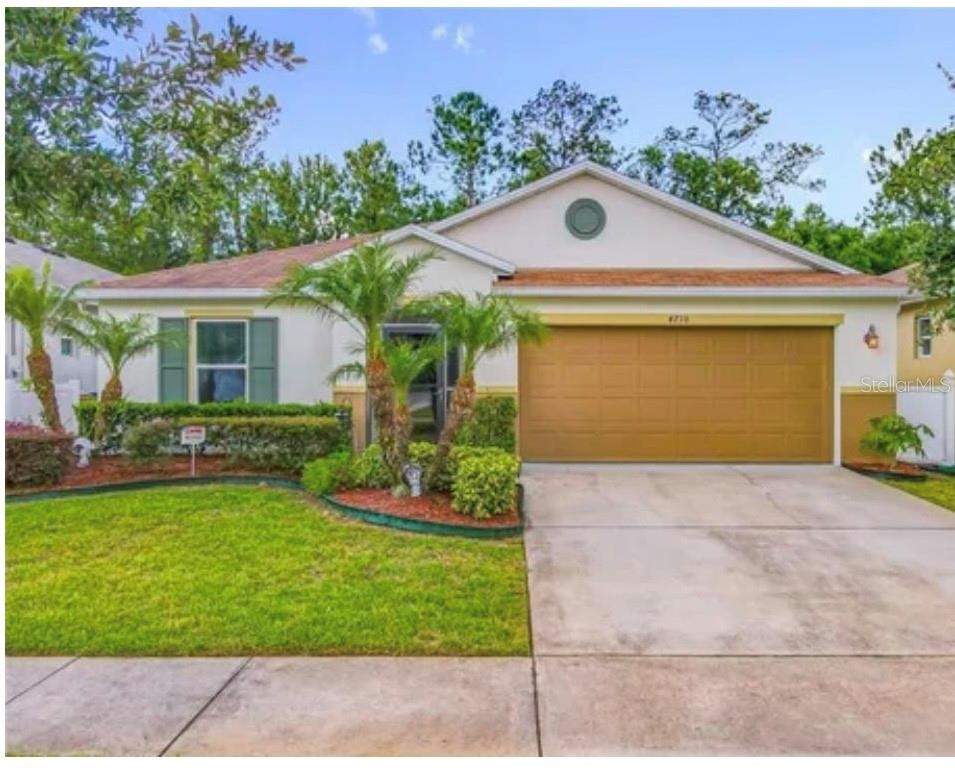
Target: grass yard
x=939 y=489
x=223 y=570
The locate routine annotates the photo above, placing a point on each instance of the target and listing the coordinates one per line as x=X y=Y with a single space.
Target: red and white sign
x=192 y=435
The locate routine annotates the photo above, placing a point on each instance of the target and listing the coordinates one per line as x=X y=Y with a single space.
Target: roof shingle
x=742 y=278
x=255 y=270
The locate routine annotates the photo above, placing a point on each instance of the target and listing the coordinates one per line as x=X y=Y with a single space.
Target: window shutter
x=263 y=360
x=172 y=362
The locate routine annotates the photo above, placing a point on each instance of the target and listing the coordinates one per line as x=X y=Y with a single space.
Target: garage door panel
x=678 y=394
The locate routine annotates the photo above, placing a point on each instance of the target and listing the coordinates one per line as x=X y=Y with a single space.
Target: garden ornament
x=413 y=476
x=82 y=448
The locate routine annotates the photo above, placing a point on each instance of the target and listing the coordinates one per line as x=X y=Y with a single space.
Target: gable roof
x=454 y=246
x=589 y=168
x=66 y=271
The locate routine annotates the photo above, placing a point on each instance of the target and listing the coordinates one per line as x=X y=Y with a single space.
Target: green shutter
x=263 y=360
x=172 y=363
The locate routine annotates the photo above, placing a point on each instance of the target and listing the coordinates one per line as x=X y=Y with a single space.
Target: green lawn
x=222 y=570
x=939 y=489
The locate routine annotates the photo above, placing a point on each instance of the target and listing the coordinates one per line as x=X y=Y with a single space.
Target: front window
x=221 y=360
x=66 y=346
x=924 y=334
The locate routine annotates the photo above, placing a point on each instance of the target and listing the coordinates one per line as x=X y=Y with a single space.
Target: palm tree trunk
x=41 y=376
x=462 y=405
x=380 y=392
x=112 y=392
x=402 y=427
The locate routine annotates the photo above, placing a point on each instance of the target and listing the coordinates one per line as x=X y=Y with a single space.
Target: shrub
x=36 y=456
x=485 y=484
x=894 y=434
x=422 y=453
x=122 y=414
x=491 y=424
x=332 y=473
x=280 y=442
x=143 y=443
x=369 y=470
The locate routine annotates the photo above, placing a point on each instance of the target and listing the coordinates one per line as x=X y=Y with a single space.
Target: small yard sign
x=193 y=436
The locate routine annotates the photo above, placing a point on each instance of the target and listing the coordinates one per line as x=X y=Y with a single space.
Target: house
x=69 y=359
x=677 y=335
x=925 y=352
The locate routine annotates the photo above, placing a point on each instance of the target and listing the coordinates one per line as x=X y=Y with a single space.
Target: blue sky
x=844 y=79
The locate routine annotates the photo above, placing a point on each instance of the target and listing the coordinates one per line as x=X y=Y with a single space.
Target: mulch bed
x=433 y=507
x=902 y=470
x=106 y=470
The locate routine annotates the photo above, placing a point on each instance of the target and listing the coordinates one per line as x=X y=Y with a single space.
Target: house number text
x=678 y=319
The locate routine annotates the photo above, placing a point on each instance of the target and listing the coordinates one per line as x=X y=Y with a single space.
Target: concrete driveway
x=756 y=609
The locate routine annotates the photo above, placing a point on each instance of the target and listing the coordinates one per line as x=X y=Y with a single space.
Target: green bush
x=491 y=424
x=36 y=456
x=891 y=435
x=143 y=443
x=281 y=442
x=332 y=473
x=422 y=453
x=485 y=484
x=127 y=413
x=369 y=470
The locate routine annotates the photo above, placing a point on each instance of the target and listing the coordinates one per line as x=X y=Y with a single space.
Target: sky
x=845 y=79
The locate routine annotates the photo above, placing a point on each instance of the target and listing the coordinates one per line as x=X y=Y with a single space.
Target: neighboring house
x=924 y=352
x=677 y=335
x=70 y=360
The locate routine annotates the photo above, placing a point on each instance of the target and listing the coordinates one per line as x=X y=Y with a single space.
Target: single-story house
x=925 y=352
x=677 y=334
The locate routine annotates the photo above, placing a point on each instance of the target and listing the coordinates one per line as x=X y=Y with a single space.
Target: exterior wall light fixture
x=871 y=338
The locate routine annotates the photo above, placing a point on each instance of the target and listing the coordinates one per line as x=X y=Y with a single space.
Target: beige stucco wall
x=638 y=233
x=304 y=346
x=911 y=366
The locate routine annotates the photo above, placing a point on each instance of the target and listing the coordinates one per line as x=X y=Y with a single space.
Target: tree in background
x=561 y=125
x=40 y=306
x=720 y=164
x=465 y=141
x=141 y=147
x=917 y=196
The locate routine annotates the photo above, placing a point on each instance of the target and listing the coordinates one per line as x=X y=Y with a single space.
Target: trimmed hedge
x=144 y=443
x=126 y=413
x=485 y=485
x=36 y=456
x=279 y=442
x=491 y=424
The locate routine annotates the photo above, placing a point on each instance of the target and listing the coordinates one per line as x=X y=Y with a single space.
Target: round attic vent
x=585 y=218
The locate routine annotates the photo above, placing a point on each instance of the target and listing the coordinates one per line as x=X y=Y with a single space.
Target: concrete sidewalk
x=271 y=706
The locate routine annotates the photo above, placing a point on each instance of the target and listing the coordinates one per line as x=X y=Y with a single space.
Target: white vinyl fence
x=23 y=406
x=935 y=408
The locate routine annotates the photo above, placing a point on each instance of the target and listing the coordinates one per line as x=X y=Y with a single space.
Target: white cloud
x=377 y=43
x=439 y=32
x=463 y=36
x=368 y=14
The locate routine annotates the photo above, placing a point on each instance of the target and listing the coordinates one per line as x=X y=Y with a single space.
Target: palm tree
x=41 y=306
x=477 y=327
x=117 y=341
x=364 y=288
x=405 y=361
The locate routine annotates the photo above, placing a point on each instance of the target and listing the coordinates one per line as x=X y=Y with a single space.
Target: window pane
x=221 y=385
x=220 y=343
x=66 y=346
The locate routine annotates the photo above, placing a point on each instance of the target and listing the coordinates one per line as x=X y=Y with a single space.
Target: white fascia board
x=108 y=294
x=655 y=195
x=500 y=266
x=677 y=292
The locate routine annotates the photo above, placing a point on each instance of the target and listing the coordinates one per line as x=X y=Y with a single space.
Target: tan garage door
x=677 y=394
